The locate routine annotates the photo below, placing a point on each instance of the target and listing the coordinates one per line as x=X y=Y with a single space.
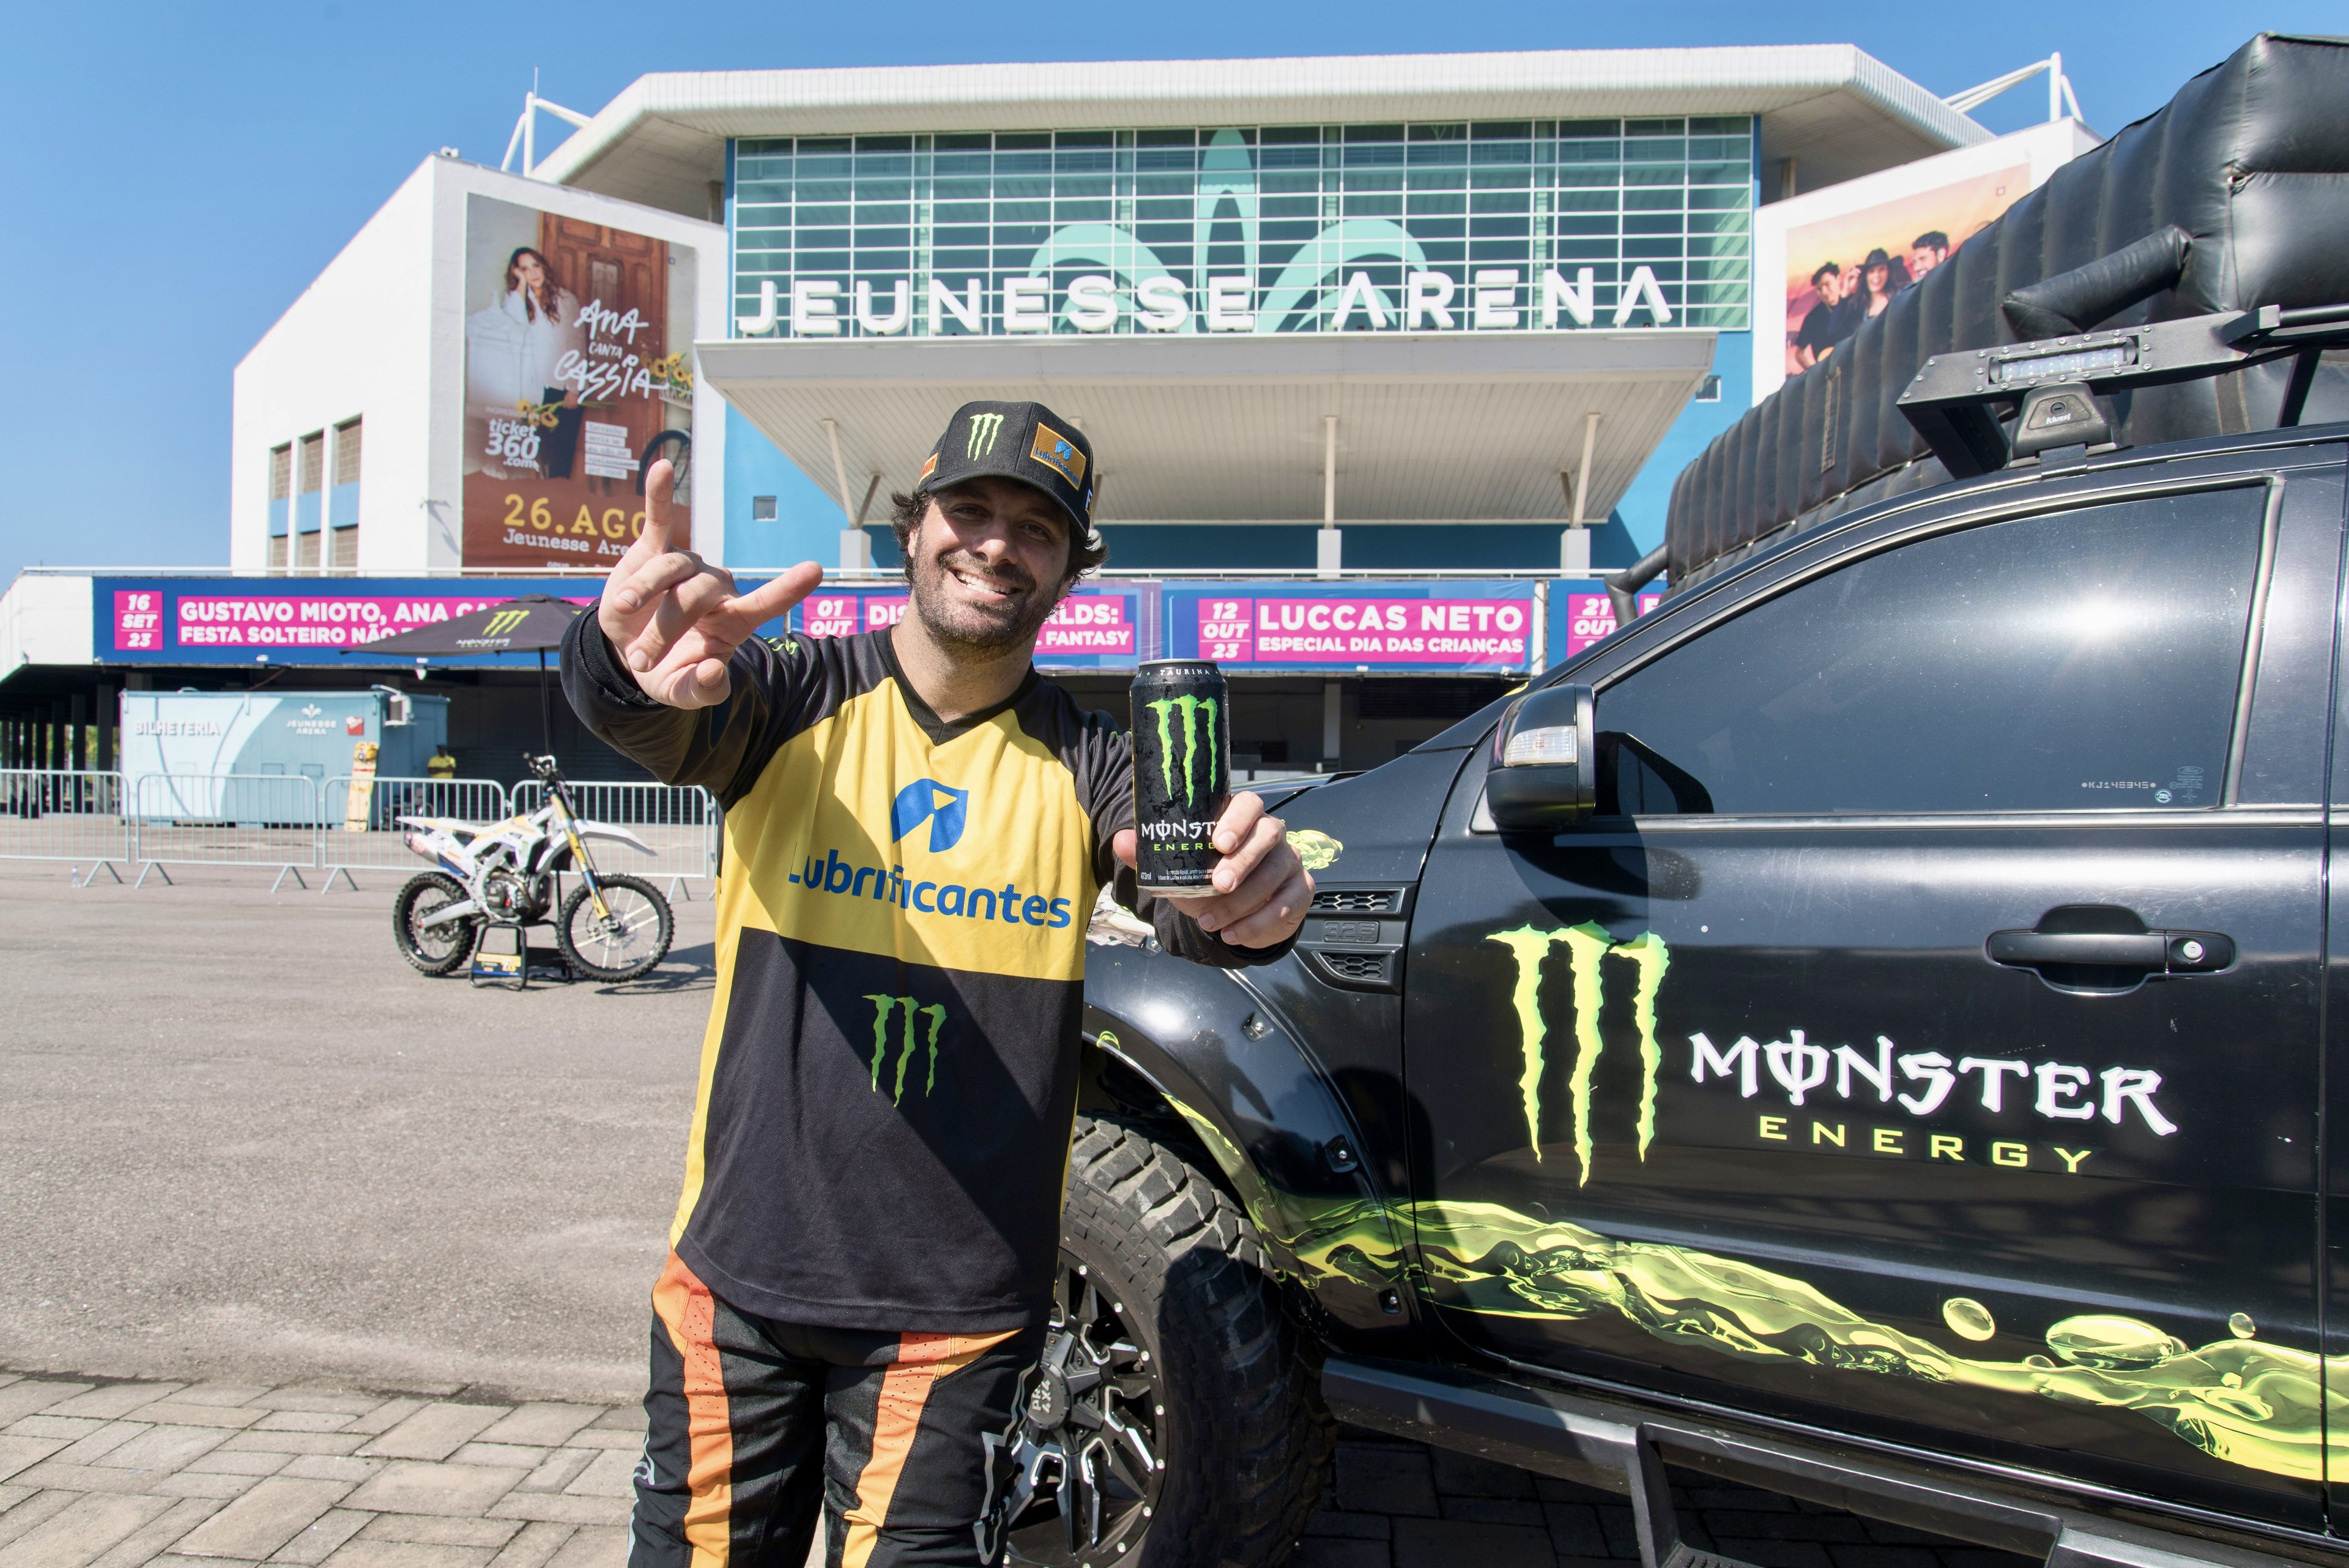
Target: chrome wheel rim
x=435 y=943
x=624 y=938
x=1087 y=1465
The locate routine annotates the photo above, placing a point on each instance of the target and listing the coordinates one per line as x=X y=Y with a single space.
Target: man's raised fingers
x=702 y=684
x=630 y=603
x=769 y=599
x=676 y=612
x=660 y=508
x=654 y=577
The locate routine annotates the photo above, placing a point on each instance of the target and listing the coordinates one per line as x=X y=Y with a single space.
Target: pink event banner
x=1591 y=617
x=1365 y=630
x=279 y=620
x=1084 y=623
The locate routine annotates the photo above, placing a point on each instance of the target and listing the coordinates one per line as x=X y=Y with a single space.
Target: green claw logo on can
x=1194 y=711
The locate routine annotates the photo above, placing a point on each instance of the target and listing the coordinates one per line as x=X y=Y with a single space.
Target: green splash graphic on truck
x=2257 y=1405
x=1587 y=946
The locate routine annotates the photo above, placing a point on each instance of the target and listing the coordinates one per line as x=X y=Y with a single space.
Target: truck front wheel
x=1172 y=1420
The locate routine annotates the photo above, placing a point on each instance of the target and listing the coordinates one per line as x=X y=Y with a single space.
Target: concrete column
x=1329 y=545
x=1329 y=551
x=77 y=723
x=1333 y=708
x=1574 y=552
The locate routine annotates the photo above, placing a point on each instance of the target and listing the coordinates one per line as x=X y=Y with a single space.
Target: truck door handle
x=2147 y=952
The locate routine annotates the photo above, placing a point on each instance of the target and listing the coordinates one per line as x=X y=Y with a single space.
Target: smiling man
x=916 y=828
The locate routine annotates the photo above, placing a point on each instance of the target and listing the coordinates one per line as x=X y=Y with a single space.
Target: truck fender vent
x=1358 y=969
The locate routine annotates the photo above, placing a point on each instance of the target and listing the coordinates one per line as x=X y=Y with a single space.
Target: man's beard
x=977 y=628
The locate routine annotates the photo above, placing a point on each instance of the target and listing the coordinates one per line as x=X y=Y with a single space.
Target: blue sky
x=175 y=175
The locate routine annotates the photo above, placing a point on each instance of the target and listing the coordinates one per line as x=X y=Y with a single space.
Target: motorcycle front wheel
x=433 y=949
x=622 y=944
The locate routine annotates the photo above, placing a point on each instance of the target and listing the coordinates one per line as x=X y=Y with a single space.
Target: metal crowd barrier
x=681 y=825
x=336 y=825
x=48 y=813
x=226 y=819
x=369 y=838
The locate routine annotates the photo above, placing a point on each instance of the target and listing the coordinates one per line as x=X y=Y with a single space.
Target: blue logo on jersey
x=926 y=800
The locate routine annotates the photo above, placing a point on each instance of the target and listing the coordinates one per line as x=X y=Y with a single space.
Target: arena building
x=1384 y=357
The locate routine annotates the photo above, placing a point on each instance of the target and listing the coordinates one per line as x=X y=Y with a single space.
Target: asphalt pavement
x=248 y=1148
x=245 y=1141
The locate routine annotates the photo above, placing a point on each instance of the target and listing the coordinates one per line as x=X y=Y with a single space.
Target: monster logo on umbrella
x=532 y=624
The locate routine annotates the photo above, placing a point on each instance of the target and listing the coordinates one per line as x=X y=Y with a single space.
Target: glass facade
x=1513 y=225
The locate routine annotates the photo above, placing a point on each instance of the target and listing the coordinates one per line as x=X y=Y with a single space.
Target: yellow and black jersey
x=889 y=1073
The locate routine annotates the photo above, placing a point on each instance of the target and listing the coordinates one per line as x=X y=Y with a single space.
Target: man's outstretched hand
x=1261 y=888
x=675 y=619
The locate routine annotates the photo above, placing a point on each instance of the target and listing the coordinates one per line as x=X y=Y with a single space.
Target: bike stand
x=508 y=970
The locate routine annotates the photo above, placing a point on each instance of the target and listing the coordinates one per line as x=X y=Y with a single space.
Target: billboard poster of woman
x=572 y=386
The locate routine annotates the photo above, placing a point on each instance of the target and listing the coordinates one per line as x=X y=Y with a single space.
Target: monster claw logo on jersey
x=1059 y=453
x=1192 y=708
x=883 y=1006
x=1586 y=946
x=984 y=429
x=943 y=806
x=504 y=621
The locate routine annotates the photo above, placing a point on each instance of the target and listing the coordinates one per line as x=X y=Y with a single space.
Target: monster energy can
x=1182 y=773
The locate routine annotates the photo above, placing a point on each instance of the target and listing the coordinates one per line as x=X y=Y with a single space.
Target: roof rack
x=2053 y=383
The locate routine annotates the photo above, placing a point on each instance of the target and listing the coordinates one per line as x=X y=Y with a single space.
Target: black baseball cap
x=1024 y=442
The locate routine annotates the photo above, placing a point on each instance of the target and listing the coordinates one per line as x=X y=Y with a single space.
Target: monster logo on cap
x=1024 y=442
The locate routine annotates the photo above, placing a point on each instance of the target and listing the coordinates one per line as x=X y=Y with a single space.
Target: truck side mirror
x=1545 y=771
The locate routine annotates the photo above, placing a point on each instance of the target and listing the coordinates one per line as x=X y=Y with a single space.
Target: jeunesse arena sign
x=1527 y=225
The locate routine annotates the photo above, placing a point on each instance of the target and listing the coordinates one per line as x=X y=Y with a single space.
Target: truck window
x=2070 y=661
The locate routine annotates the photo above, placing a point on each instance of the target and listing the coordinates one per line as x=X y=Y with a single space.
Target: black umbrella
x=533 y=623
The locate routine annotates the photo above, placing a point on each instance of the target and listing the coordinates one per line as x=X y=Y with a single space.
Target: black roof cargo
x=2251 y=160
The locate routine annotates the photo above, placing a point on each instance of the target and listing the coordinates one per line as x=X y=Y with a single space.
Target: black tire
x=1231 y=1404
x=442 y=948
x=632 y=900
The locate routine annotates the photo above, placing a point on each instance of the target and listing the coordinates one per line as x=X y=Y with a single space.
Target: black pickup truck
x=1865 y=1029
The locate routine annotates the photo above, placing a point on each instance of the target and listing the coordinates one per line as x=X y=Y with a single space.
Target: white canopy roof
x=1449 y=427
x=1837 y=111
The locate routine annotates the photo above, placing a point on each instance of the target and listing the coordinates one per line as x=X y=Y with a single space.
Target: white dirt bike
x=609 y=928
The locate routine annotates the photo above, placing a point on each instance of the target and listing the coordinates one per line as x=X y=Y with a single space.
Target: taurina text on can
x=1182 y=773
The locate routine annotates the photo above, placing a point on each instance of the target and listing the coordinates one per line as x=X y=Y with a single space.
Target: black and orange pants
x=758 y=1429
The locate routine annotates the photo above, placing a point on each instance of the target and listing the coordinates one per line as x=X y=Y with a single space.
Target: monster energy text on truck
x=1866 y=1027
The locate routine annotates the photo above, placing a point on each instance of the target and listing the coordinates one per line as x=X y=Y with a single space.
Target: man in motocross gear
x=917 y=828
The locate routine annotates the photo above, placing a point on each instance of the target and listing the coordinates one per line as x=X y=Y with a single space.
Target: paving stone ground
x=100 y=1474
x=121 y=1474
